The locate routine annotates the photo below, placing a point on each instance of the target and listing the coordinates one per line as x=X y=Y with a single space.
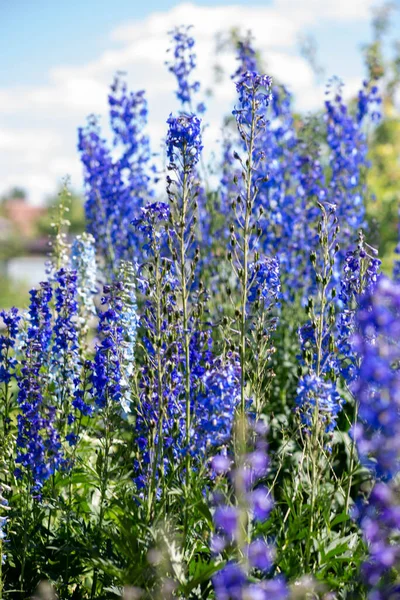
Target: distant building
x=22 y=216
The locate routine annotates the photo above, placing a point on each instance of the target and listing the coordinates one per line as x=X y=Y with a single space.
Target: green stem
x=104 y=474
x=316 y=426
x=159 y=453
x=186 y=336
x=244 y=279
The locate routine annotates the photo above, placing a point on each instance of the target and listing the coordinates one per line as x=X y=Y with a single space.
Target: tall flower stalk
x=111 y=378
x=183 y=149
x=157 y=284
x=254 y=97
x=318 y=401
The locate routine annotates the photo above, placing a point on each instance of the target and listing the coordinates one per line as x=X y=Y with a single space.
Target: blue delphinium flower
x=254 y=93
x=64 y=361
x=11 y=320
x=116 y=187
x=152 y=222
x=184 y=140
x=215 y=406
x=264 y=282
x=348 y=159
x=318 y=399
x=39 y=446
x=246 y=56
x=376 y=387
x=284 y=200
x=113 y=359
x=184 y=146
x=83 y=261
x=360 y=274
x=369 y=102
x=182 y=65
x=252 y=89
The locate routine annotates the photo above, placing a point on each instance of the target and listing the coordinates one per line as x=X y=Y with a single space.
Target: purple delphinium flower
x=260 y=555
x=254 y=500
x=379 y=520
x=377 y=434
x=377 y=386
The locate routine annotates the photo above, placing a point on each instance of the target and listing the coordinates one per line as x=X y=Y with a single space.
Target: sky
x=58 y=59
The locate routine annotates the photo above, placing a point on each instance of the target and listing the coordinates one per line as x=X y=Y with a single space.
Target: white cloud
x=309 y=11
x=42 y=148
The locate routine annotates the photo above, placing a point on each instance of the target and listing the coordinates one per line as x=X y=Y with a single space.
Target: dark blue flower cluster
x=265 y=282
x=39 y=445
x=64 y=361
x=215 y=406
x=116 y=187
x=184 y=141
x=8 y=363
x=152 y=222
x=215 y=393
x=255 y=95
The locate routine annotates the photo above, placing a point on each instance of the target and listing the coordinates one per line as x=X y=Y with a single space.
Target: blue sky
x=57 y=59
x=38 y=34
